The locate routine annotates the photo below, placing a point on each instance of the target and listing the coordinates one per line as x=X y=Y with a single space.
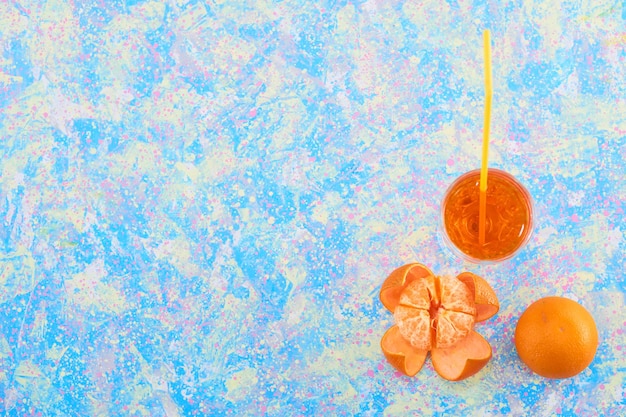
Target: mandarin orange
x=437 y=314
x=556 y=337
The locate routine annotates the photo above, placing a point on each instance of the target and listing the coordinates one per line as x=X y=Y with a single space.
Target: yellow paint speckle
x=87 y=290
x=345 y=18
x=241 y=384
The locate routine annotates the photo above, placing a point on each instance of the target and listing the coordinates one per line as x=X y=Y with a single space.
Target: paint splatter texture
x=199 y=200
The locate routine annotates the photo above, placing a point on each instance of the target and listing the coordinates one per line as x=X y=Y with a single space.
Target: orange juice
x=509 y=216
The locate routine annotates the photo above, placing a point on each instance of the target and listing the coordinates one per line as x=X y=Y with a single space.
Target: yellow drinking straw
x=482 y=208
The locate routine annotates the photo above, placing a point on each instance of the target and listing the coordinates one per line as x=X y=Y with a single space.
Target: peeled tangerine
x=437 y=315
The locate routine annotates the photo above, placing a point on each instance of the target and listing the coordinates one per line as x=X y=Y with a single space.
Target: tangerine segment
x=485 y=298
x=465 y=359
x=399 y=352
x=415 y=326
x=435 y=312
x=420 y=294
x=455 y=296
x=452 y=326
x=396 y=282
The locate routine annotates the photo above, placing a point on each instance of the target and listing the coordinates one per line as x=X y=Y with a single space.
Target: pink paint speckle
x=575 y=218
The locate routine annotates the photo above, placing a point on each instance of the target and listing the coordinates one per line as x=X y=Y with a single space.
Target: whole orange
x=556 y=337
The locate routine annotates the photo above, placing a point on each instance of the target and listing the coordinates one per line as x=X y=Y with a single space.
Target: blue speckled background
x=199 y=200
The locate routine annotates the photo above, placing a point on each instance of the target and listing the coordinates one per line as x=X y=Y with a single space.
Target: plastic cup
x=508 y=222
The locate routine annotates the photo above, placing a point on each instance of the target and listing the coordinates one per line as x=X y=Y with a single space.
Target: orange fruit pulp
x=556 y=337
x=437 y=315
x=508 y=221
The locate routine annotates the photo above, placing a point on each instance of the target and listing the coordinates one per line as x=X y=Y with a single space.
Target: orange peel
x=437 y=314
x=487 y=304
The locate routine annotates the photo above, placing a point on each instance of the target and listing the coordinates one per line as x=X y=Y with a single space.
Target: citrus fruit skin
x=401 y=354
x=398 y=280
x=487 y=304
x=463 y=360
x=556 y=337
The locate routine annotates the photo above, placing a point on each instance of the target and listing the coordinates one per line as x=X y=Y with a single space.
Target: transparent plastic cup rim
x=455 y=250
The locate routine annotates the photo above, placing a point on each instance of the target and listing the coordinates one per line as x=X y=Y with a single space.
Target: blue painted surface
x=200 y=200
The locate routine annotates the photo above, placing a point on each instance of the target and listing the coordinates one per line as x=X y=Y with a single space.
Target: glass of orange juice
x=509 y=217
